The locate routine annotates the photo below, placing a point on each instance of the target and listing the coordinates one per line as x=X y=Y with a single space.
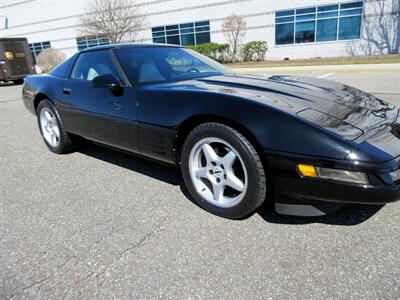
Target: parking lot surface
x=101 y=224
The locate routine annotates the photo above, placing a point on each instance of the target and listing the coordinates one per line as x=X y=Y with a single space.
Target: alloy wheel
x=49 y=127
x=218 y=172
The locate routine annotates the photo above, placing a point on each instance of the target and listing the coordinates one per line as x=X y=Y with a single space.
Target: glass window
x=351 y=12
x=187 y=30
x=158 y=64
x=330 y=14
x=326 y=30
x=284 y=20
x=36 y=48
x=187 y=25
x=187 y=39
x=351 y=5
x=284 y=34
x=203 y=23
x=173 y=39
x=305 y=11
x=183 y=34
x=171 y=27
x=284 y=13
x=305 y=17
x=154 y=29
x=89 y=42
x=89 y=65
x=202 y=28
x=349 y=28
x=305 y=32
x=203 y=38
x=319 y=24
x=160 y=40
x=328 y=8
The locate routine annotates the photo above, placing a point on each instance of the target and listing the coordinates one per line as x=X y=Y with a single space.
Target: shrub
x=254 y=51
x=49 y=58
x=218 y=52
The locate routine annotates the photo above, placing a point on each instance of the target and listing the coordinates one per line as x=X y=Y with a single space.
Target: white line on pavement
x=325 y=75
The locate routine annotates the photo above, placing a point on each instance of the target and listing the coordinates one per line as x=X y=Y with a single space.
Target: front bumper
x=291 y=191
x=294 y=190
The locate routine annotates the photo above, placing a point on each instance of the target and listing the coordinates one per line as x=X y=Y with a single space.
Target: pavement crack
x=33 y=284
x=102 y=270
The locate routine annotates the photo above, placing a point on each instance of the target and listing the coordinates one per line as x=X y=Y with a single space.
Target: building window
x=319 y=24
x=36 y=48
x=91 y=41
x=186 y=34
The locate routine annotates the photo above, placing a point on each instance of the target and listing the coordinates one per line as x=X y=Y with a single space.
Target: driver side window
x=92 y=64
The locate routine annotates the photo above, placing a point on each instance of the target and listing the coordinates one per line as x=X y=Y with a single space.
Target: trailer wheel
x=18 y=81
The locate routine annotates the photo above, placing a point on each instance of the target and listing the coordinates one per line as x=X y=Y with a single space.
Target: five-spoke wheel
x=218 y=172
x=53 y=133
x=49 y=127
x=223 y=171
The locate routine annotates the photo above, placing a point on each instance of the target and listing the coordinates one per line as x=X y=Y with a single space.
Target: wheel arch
x=40 y=97
x=184 y=129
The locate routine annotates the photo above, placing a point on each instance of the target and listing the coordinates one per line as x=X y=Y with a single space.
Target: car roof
x=130 y=45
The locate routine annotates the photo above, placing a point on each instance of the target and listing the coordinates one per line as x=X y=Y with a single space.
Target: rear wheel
x=51 y=129
x=18 y=81
x=223 y=171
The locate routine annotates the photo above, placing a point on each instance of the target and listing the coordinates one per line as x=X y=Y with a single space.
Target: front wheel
x=223 y=171
x=53 y=133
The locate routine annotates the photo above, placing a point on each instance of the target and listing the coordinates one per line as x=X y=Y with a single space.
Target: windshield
x=160 y=64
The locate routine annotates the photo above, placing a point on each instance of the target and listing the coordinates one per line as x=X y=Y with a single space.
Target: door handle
x=67 y=91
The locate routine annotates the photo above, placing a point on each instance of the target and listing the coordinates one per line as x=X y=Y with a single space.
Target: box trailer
x=15 y=59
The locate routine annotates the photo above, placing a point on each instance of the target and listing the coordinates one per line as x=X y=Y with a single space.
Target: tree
x=380 y=31
x=234 y=28
x=49 y=58
x=114 y=19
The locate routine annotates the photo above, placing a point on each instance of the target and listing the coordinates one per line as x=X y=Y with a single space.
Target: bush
x=218 y=52
x=49 y=58
x=254 y=51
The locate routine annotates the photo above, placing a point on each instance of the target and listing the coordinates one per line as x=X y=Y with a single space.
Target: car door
x=100 y=114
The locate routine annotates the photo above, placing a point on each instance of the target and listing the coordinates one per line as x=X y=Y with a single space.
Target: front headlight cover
x=395 y=175
x=343 y=176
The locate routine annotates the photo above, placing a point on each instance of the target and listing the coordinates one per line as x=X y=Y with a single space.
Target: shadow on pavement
x=168 y=174
x=349 y=215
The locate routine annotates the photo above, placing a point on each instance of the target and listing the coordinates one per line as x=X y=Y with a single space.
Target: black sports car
x=307 y=145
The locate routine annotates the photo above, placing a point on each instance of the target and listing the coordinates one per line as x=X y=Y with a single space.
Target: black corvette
x=306 y=145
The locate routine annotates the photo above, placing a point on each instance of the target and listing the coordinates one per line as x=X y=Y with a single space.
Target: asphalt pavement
x=101 y=224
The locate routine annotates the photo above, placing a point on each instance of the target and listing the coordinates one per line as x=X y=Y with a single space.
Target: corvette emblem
x=9 y=55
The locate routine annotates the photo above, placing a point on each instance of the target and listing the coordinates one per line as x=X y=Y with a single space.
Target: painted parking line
x=325 y=75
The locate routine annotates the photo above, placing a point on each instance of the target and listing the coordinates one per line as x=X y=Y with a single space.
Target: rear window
x=63 y=69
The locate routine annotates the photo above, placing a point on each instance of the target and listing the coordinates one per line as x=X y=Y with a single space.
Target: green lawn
x=381 y=59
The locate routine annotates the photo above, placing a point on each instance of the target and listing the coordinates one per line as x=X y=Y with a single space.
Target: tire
x=18 y=81
x=215 y=157
x=53 y=133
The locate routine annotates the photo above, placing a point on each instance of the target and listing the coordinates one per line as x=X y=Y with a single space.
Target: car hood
x=340 y=108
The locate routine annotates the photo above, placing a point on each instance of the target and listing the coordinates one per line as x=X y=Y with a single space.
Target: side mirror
x=106 y=81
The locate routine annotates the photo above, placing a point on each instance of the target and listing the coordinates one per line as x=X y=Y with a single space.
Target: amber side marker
x=307 y=171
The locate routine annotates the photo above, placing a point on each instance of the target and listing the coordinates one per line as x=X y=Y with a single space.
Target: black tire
x=18 y=81
x=65 y=144
x=255 y=194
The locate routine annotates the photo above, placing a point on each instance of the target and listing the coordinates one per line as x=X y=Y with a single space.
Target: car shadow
x=168 y=174
x=348 y=215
